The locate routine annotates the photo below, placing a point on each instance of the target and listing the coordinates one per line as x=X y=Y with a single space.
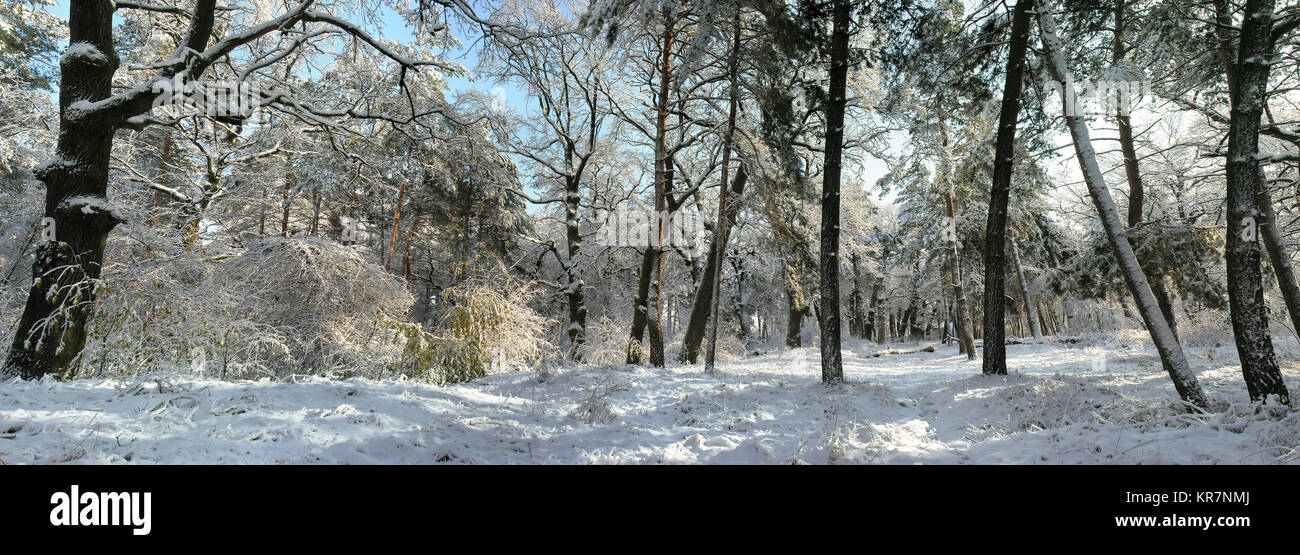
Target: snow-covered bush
x=281 y=307
x=325 y=295
x=606 y=342
x=488 y=327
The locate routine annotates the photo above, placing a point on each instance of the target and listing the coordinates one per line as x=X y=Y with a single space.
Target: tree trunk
x=640 y=308
x=723 y=207
x=1273 y=241
x=738 y=298
x=288 y=203
x=795 y=309
x=869 y=326
x=397 y=218
x=1030 y=314
x=829 y=257
x=1136 y=191
x=961 y=316
x=52 y=329
x=1274 y=245
x=1245 y=288
x=575 y=288
x=995 y=355
x=315 y=212
x=663 y=184
x=697 y=327
x=1171 y=353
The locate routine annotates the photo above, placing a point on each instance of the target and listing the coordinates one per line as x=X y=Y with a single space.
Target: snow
x=89 y=205
x=1058 y=406
x=84 y=52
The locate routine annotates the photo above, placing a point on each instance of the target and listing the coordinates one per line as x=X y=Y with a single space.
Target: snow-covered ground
x=1059 y=405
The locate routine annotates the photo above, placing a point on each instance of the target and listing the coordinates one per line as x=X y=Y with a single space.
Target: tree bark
x=873 y=309
x=1171 y=353
x=52 y=329
x=1281 y=260
x=720 y=244
x=1245 y=288
x=829 y=257
x=1136 y=191
x=995 y=353
x=575 y=288
x=1273 y=241
x=663 y=184
x=697 y=327
x=961 y=316
x=795 y=310
x=397 y=218
x=288 y=203
x=1031 y=315
x=640 y=308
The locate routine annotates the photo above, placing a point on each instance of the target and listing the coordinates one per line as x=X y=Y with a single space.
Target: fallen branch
x=928 y=349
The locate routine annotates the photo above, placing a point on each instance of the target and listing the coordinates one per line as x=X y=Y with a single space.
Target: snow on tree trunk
x=1245 y=290
x=697 y=326
x=1171 y=353
x=574 y=289
x=1030 y=314
x=52 y=329
x=829 y=257
x=1273 y=241
x=995 y=350
x=640 y=308
x=965 y=335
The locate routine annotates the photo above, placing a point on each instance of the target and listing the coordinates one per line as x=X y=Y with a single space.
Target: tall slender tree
x=995 y=350
x=1245 y=288
x=1171 y=353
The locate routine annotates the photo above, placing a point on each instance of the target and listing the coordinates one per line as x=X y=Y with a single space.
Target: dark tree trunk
x=995 y=351
x=636 y=344
x=795 y=309
x=697 y=326
x=1245 y=288
x=574 y=289
x=829 y=257
x=288 y=203
x=1136 y=191
x=52 y=329
x=873 y=312
x=1272 y=234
